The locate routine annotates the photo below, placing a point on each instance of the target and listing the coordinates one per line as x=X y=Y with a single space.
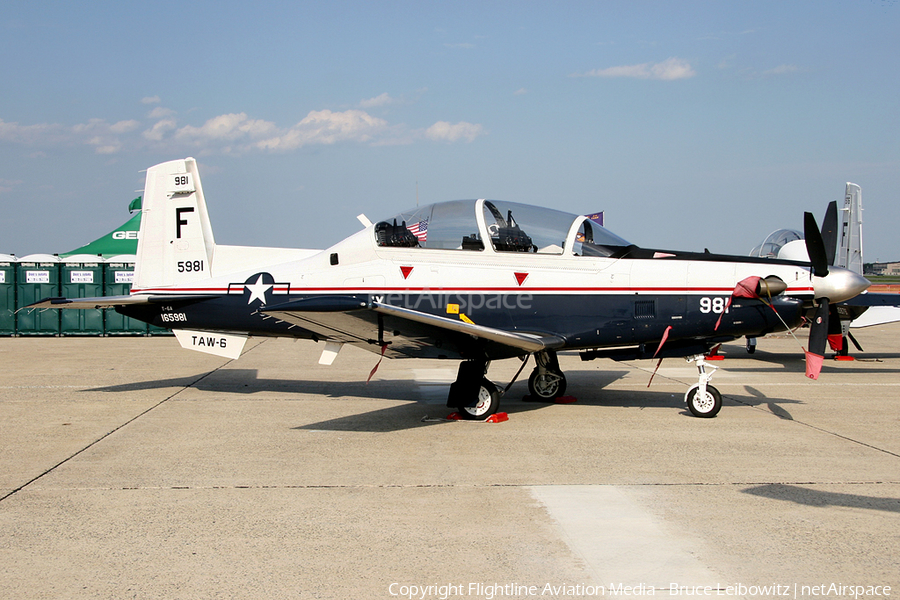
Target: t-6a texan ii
x=467 y=280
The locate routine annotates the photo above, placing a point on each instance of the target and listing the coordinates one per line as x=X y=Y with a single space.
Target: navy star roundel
x=259 y=288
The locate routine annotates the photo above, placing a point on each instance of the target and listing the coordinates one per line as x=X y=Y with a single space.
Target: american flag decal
x=420 y=230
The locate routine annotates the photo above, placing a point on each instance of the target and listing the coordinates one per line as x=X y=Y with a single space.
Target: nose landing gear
x=703 y=400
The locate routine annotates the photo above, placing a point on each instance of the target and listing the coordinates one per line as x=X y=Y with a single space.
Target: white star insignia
x=258 y=290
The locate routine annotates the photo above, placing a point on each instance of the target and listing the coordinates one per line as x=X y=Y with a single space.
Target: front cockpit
x=505 y=226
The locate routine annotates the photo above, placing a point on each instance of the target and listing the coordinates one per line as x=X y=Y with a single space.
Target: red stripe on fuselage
x=517 y=290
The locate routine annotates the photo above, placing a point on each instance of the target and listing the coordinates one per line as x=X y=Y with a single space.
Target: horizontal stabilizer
x=110 y=301
x=98 y=302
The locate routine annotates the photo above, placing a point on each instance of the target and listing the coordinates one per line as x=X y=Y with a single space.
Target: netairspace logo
x=462 y=302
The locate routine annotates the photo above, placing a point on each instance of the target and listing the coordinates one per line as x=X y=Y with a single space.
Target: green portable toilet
x=81 y=276
x=8 y=294
x=118 y=276
x=37 y=277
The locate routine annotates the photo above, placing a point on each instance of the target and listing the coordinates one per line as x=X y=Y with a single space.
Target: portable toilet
x=37 y=277
x=118 y=277
x=81 y=276
x=8 y=294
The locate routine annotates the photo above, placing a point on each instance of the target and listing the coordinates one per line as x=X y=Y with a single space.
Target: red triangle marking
x=406 y=271
x=521 y=277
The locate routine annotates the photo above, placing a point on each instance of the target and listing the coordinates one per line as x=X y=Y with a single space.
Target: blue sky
x=692 y=124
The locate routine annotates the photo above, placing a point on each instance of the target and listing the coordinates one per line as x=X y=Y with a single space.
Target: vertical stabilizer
x=850 y=254
x=176 y=242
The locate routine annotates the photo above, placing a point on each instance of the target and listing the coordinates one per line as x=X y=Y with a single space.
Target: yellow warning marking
x=453 y=309
x=463 y=317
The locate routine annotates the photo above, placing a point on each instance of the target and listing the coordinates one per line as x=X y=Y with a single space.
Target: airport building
x=892 y=268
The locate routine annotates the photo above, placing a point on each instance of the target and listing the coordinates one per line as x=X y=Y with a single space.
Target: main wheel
x=487 y=402
x=703 y=405
x=751 y=345
x=548 y=385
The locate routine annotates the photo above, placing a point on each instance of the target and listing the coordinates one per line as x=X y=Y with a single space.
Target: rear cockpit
x=772 y=245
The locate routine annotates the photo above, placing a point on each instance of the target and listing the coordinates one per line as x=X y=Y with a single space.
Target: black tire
x=549 y=386
x=705 y=408
x=487 y=403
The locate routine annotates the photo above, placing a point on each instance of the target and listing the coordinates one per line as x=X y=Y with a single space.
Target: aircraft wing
x=524 y=341
x=874 y=299
x=406 y=332
x=873 y=308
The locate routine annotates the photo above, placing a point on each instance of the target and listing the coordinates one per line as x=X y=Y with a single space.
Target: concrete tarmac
x=130 y=468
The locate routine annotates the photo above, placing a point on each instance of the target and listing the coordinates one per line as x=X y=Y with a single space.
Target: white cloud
x=233 y=133
x=159 y=130
x=327 y=127
x=124 y=126
x=444 y=131
x=104 y=137
x=727 y=62
x=7 y=185
x=230 y=127
x=667 y=70
x=520 y=92
x=30 y=135
x=160 y=113
x=380 y=100
x=782 y=70
x=151 y=100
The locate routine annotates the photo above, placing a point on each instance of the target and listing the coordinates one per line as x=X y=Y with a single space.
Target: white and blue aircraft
x=467 y=280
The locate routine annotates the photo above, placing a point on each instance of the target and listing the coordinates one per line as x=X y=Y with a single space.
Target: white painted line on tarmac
x=620 y=542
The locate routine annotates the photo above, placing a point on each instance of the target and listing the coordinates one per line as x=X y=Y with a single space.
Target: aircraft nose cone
x=840 y=285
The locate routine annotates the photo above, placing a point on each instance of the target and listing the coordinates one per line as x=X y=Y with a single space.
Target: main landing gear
x=703 y=400
x=472 y=393
x=547 y=381
x=477 y=398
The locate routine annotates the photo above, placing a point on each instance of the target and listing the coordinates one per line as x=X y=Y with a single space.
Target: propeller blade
x=818 y=336
x=815 y=245
x=829 y=231
x=835 y=330
x=855 y=343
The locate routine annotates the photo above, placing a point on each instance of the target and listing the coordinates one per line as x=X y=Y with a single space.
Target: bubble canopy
x=774 y=242
x=506 y=226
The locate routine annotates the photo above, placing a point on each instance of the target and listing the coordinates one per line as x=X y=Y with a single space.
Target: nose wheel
x=702 y=399
x=703 y=403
